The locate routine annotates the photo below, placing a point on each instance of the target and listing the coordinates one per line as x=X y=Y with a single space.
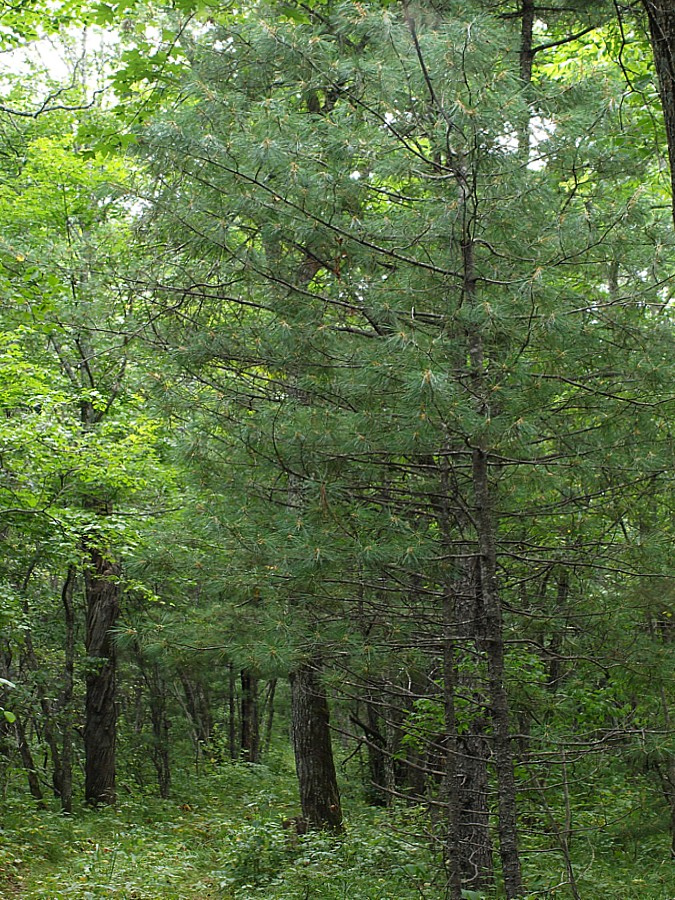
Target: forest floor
x=222 y=836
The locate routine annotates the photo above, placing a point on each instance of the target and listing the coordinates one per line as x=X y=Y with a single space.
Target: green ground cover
x=222 y=836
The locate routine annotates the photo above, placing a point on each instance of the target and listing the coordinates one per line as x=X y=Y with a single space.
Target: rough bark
x=661 y=17
x=232 y=712
x=250 y=717
x=28 y=763
x=100 y=730
x=526 y=33
x=452 y=783
x=269 y=714
x=467 y=761
x=499 y=704
x=319 y=794
x=198 y=706
x=488 y=586
x=66 y=792
x=474 y=815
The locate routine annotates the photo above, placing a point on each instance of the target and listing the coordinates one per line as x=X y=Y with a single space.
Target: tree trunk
x=198 y=706
x=499 y=705
x=377 y=753
x=102 y=592
x=661 y=16
x=160 y=730
x=68 y=686
x=232 y=712
x=467 y=752
x=528 y=15
x=269 y=720
x=249 y=718
x=476 y=839
x=452 y=786
x=28 y=763
x=319 y=794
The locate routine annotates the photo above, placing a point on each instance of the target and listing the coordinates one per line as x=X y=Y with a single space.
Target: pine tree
x=430 y=344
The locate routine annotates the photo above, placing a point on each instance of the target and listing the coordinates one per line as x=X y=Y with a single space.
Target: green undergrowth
x=221 y=835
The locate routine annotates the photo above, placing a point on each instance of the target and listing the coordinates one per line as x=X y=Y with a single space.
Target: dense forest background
x=336 y=449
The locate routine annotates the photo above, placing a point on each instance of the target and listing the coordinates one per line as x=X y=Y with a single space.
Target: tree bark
x=473 y=751
x=467 y=752
x=499 y=704
x=250 y=717
x=452 y=785
x=198 y=705
x=317 y=781
x=28 y=763
x=102 y=593
x=661 y=17
x=269 y=720
x=68 y=689
x=160 y=730
x=526 y=32
x=232 y=712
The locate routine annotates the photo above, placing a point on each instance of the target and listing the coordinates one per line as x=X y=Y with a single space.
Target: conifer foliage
x=430 y=304
x=361 y=400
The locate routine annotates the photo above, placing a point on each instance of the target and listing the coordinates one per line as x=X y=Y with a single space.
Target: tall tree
x=424 y=334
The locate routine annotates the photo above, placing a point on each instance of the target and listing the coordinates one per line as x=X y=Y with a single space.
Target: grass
x=221 y=836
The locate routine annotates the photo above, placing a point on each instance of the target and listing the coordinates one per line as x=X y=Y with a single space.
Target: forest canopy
x=336 y=369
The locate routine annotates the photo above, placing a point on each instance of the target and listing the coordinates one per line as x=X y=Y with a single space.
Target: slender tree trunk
x=499 y=705
x=160 y=730
x=198 y=706
x=488 y=586
x=100 y=730
x=269 y=719
x=463 y=628
x=68 y=686
x=232 y=712
x=476 y=846
x=528 y=15
x=48 y=727
x=28 y=763
x=377 y=752
x=249 y=718
x=319 y=794
x=452 y=787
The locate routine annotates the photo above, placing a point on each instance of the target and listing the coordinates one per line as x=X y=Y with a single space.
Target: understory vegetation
x=222 y=835
x=336 y=449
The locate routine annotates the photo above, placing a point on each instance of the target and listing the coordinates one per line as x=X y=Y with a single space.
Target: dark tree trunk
x=467 y=781
x=452 y=785
x=526 y=49
x=198 y=706
x=476 y=838
x=160 y=730
x=319 y=794
x=156 y=686
x=102 y=592
x=269 y=714
x=376 y=749
x=48 y=727
x=68 y=686
x=661 y=16
x=499 y=704
x=28 y=763
x=232 y=712
x=249 y=718
x=377 y=753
